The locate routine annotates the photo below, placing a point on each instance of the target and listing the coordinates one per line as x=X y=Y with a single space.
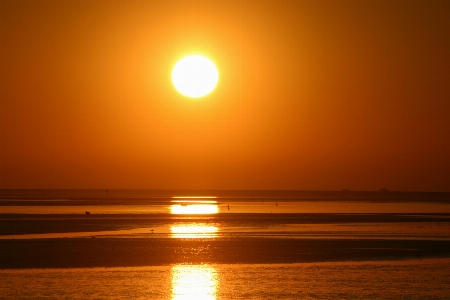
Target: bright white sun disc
x=195 y=76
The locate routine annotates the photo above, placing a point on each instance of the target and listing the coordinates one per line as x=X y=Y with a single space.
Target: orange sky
x=312 y=95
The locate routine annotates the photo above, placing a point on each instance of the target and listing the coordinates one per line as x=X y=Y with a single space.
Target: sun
x=195 y=76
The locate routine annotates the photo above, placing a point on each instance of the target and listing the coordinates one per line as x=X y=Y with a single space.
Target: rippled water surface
x=414 y=279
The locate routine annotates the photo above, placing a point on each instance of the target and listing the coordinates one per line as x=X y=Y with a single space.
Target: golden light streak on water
x=190 y=209
x=198 y=282
x=194 y=197
x=194 y=231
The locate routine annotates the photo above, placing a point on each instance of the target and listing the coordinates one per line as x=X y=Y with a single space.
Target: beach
x=152 y=240
x=242 y=251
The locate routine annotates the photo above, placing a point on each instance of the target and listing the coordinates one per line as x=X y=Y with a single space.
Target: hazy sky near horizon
x=312 y=95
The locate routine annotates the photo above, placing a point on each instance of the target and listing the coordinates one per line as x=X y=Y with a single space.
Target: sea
x=151 y=244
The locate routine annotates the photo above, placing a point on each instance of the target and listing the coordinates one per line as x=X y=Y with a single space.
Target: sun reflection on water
x=189 y=209
x=188 y=205
x=194 y=282
x=194 y=197
x=195 y=230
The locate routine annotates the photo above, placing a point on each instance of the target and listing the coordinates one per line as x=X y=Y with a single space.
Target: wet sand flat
x=235 y=239
x=121 y=252
x=13 y=224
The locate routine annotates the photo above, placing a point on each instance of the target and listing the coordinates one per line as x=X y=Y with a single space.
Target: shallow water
x=413 y=279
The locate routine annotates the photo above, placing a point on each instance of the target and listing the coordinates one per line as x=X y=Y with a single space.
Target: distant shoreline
x=219 y=193
x=27 y=197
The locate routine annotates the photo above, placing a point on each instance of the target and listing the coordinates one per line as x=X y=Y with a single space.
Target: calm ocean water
x=224 y=245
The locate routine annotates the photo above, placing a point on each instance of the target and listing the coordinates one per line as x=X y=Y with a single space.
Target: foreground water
x=288 y=246
x=413 y=279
